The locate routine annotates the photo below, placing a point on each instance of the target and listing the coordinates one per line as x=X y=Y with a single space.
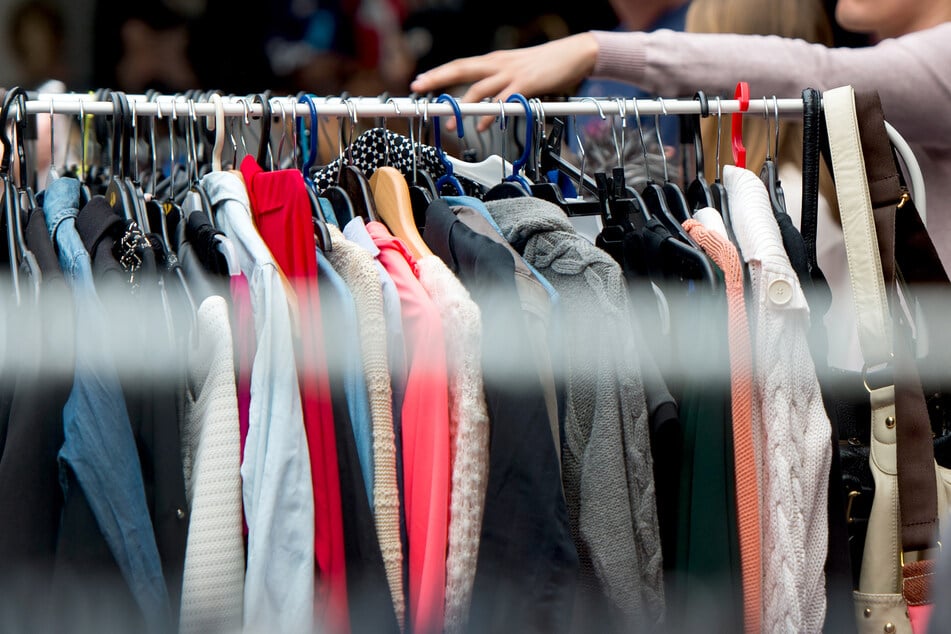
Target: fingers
x=460 y=71
x=487 y=88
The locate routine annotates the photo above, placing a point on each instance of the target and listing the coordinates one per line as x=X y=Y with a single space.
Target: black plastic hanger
x=264 y=144
x=21 y=258
x=117 y=194
x=653 y=194
x=676 y=200
x=769 y=173
x=350 y=178
x=698 y=194
x=720 y=197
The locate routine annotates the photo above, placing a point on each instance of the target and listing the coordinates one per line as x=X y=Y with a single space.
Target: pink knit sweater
x=909 y=72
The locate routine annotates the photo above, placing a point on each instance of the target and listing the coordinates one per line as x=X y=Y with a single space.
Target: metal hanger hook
x=574 y=122
x=622 y=115
x=280 y=144
x=52 y=144
x=154 y=176
x=719 y=120
x=82 y=139
x=539 y=110
x=769 y=155
x=640 y=134
x=502 y=124
x=597 y=104
x=660 y=140
x=135 y=140
x=776 y=130
x=386 y=136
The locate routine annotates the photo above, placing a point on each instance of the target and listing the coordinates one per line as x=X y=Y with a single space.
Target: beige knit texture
x=468 y=433
x=795 y=451
x=213 y=581
x=355 y=265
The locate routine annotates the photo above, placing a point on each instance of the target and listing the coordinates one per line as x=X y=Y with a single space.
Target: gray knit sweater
x=606 y=459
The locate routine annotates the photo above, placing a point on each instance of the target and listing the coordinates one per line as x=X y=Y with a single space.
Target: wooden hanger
x=395 y=209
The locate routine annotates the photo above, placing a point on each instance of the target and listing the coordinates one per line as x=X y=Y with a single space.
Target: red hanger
x=736 y=120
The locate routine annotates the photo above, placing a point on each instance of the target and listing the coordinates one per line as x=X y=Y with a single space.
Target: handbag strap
x=865 y=267
x=917 y=487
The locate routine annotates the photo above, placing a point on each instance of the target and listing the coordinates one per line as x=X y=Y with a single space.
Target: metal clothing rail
x=401 y=107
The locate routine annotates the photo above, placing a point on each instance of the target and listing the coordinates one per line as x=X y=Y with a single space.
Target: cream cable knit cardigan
x=793 y=429
x=468 y=433
x=213 y=580
x=355 y=265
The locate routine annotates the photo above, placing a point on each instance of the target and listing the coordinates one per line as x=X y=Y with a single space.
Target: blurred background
x=363 y=47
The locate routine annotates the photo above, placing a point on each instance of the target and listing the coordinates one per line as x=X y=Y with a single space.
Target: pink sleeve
x=908 y=72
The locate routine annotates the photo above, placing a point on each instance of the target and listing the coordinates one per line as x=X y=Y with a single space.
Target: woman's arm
x=911 y=73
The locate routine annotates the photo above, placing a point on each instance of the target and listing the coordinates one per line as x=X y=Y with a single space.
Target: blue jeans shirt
x=99 y=446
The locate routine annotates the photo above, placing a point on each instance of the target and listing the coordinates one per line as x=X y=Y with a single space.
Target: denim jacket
x=99 y=447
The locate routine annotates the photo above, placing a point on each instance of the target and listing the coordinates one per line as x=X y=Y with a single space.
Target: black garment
x=666 y=432
x=368 y=591
x=795 y=248
x=30 y=495
x=527 y=567
x=153 y=389
x=201 y=234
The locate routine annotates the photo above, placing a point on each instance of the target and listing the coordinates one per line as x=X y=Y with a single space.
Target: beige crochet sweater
x=468 y=433
x=356 y=267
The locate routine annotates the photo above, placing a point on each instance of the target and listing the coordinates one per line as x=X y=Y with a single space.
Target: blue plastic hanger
x=515 y=185
x=448 y=177
x=522 y=161
x=308 y=147
x=309 y=151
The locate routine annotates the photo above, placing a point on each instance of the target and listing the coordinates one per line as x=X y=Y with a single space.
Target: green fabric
x=705 y=574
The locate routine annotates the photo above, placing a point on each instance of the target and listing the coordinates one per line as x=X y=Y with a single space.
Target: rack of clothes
x=401 y=391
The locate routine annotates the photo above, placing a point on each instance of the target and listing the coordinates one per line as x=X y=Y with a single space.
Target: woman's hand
x=552 y=67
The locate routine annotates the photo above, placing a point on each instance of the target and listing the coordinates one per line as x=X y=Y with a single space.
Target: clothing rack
x=401 y=107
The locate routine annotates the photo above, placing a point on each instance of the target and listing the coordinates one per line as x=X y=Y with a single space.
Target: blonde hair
x=800 y=19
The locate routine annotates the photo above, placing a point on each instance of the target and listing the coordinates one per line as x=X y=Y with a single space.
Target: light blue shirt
x=342 y=311
x=276 y=475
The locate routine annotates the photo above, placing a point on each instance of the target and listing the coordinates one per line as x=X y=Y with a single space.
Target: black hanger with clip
x=550 y=159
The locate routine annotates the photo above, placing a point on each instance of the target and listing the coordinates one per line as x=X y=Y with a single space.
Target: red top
x=245 y=345
x=281 y=210
x=425 y=436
